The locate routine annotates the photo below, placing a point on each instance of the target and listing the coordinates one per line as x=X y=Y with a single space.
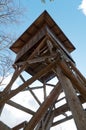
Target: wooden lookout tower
x=43 y=51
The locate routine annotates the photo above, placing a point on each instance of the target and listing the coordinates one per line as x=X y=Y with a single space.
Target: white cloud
x=82 y=6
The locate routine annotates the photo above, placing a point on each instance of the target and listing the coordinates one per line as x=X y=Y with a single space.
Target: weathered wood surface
x=43 y=108
x=4 y=127
x=73 y=101
x=20 y=107
x=62 y=120
x=30 y=90
x=73 y=77
x=27 y=83
x=40 y=34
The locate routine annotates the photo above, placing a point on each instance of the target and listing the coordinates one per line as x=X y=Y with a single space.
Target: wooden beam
x=43 y=108
x=58 y=43
x=32 y=88
x=46 y=122
x=41 y=33
x=60 y=110
x=80 y=87
x=19 y=126
x=27 y=83
x=37 y=59
x=19 y=70
x=50 y=117
x=50 y=121
x=73 y=101
x=64 y=108
x=60 y=99
x=18 y=106
x=62 y=120
x=51 y=85
x=50 y=46
x=4 y=126
x=77 y=71
x=44 y=90
x=35 y=97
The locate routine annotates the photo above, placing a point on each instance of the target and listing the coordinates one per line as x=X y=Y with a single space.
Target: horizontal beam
x=37 y=60
x=62 y=120
x=51 y=85
x=18 y=106
x=61 y=110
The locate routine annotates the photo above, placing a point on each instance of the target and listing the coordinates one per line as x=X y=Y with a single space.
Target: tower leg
x=73 y=102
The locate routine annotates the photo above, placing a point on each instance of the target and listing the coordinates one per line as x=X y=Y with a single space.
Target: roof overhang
x=43 y=19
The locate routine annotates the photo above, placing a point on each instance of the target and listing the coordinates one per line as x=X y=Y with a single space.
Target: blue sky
x=69 y=15
x=71 y=18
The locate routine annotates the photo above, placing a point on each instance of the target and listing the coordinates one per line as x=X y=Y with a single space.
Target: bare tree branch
x=10 y=12
x=45 y=1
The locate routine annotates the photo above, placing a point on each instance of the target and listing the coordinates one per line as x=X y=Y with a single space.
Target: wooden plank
x=18 y=106
x=73 y=101
x=43 y=108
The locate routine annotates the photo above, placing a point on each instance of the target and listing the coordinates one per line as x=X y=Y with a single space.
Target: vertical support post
x=73 y=101
x=4 y=127
x=50 y=121
x=1 y=109
x=44 y=88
